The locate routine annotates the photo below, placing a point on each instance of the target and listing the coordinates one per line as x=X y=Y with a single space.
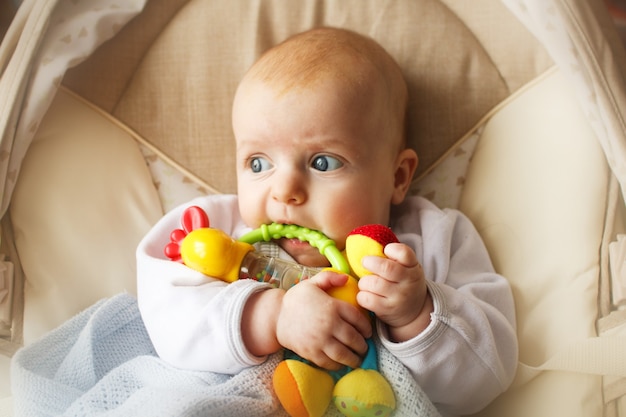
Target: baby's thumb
x=330 y=278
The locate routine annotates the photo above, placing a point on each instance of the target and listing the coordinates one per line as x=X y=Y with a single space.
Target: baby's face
x=314 y=158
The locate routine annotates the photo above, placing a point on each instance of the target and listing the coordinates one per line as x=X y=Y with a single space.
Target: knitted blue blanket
x=102 y=362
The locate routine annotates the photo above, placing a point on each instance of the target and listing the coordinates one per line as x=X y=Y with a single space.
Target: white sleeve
x=193 y=320
x=468 y=354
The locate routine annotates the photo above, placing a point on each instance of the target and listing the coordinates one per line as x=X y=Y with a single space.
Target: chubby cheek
x=346 y=215
x=251 y=207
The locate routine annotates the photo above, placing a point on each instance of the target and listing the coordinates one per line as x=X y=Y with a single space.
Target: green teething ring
x=323 y=243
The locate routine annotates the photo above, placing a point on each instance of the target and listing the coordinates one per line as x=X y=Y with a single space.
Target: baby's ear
x=406 y=164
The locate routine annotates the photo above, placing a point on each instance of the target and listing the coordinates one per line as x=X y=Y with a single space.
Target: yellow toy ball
x=364 y=393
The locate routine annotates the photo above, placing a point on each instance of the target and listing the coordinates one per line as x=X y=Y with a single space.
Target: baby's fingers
x=347 y=344
x=341 y=355
x=401 y=253
x=334 y=356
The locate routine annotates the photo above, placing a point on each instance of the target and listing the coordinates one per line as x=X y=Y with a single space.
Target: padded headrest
x=180 y=92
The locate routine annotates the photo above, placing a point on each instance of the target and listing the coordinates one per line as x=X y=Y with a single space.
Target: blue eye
x=326 y=163
x=259 y=164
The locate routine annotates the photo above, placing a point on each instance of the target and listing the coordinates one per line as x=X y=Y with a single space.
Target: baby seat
x=112 y=113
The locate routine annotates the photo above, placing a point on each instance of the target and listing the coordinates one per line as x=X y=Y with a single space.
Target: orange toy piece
x=296 y=377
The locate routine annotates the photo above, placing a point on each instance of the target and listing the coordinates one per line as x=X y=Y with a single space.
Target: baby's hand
x=327 y=331
x=396 y=292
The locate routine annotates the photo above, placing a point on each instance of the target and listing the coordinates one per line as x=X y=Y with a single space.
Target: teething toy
x=216 y=254
x=303 y=389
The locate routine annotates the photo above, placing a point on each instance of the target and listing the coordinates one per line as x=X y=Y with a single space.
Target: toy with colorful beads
x=303 y=389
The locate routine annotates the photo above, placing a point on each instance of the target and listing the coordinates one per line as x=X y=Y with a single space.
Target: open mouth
x=294 y=245
x=303 y=252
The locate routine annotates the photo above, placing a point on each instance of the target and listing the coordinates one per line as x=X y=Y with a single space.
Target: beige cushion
x=83 y=201
x=5 y=381
x=180 y=109
x=452 y=87
x=537 y=191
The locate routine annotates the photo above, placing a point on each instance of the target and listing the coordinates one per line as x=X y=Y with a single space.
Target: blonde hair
x=357 y=61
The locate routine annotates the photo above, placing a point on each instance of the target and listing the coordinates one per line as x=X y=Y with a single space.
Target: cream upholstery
x=525 y=191
x=83 y=202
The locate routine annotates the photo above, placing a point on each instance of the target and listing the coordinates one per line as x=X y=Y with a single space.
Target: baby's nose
x=289 y=188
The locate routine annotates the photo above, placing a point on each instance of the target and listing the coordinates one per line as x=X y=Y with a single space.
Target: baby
x=319 y=123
